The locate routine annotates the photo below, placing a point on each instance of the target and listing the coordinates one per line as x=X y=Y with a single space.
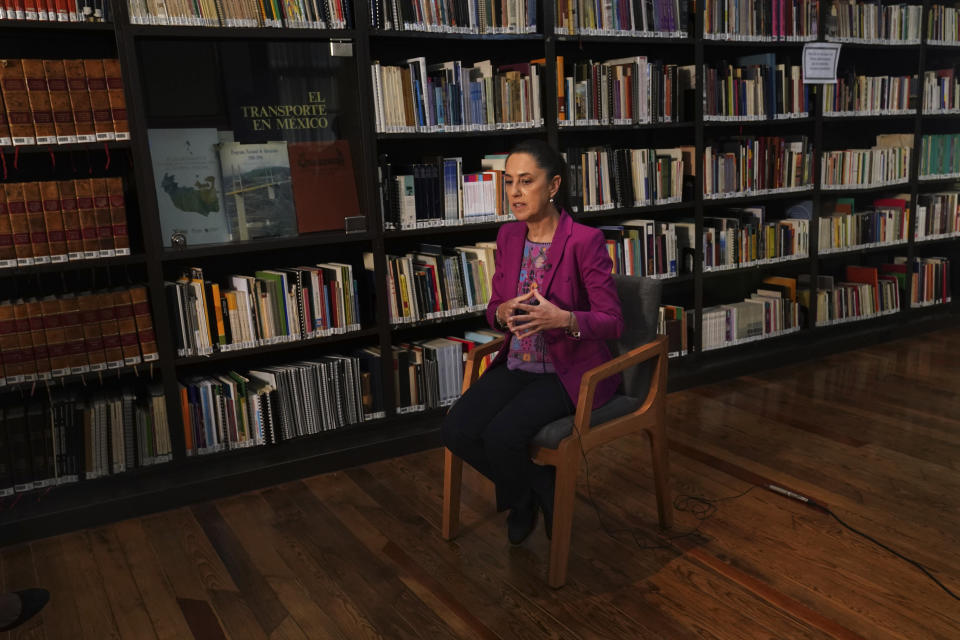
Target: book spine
x=87 y=216
x=71 y=219
x=110 y=331
x=39 y=96
x=5 y=139
x=144 y=323
x=116 y=98
x=127 y=325
x=16 y=100
x=8 y=255
x=56 y=339
x=53 y=221
x=99 y=99
x=74 y=345
x=25 y=339
x=101 y=210
x=79 y=100
x=118 y=216
x=60 y=106
x=38 y=230
x=92 y=338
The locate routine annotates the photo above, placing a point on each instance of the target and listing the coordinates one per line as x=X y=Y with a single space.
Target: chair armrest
x=657 y=348
x=474 y=357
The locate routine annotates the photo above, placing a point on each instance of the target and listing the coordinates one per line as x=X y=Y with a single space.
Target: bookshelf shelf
x=758 y=122
x=143 y=370
x=435 y=321
x=429 y=231
x=280 y=347
x=893 y=186
x=862 y=250
x=633 y=211
x=759 y=266
x=73 y=265
x=620 y=39
x=620 y=128
x=754 y=44
x=857 y=117
x=760 y=197
x=111 y=145
x=750 y=344
x=433 y=35
x=262 y=245
x=47 y=25
x=929 y=241
x=876 y=45
x=407 y=137
x=246 y=33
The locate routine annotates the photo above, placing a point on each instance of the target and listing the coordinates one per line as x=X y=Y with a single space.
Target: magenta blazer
x=578 y=279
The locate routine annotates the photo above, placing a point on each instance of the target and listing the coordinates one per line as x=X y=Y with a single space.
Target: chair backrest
x=640 y=303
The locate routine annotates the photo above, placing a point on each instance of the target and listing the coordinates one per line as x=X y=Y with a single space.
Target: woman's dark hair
x=550 y=160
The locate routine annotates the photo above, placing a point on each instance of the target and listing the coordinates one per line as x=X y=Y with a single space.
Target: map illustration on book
x=186 y=173
x=258 y=196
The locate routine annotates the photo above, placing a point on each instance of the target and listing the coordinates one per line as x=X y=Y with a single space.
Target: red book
x=324 y=187
x=38 y=228
x=8 y=255
x=865 y=275
x=118 y=216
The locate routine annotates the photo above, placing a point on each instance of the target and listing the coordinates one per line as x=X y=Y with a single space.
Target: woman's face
x=527 y=186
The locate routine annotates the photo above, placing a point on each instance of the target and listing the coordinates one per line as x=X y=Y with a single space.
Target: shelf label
x=820 y=62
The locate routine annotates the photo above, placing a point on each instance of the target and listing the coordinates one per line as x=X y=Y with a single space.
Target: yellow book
x=218 y=313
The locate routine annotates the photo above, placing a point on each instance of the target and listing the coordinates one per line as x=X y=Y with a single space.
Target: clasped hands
x=524 y=319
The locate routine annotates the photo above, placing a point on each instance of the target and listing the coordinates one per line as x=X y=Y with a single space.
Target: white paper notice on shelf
x=820 y=62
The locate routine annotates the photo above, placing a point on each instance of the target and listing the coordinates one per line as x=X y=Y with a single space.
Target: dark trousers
x=491 y=426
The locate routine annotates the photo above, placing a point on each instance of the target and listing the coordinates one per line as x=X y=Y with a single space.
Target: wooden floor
x=874 y=434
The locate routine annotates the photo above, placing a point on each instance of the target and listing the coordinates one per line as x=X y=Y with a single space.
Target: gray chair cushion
x=640 y=302
x=551 y=434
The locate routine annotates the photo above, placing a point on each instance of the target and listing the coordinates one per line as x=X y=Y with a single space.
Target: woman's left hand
x=538 y=317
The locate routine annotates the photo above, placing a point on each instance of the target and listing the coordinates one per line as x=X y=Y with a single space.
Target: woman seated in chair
x=554 y=298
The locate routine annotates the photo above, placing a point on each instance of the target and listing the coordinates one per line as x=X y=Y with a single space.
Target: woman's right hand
x=508 y=309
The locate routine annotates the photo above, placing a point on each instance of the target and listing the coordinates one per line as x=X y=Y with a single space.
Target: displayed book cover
x=257 y=192
x=324 y=188
x=186 y=172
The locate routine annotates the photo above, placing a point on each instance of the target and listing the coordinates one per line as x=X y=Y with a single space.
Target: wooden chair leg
x=452 y=478
x=661 y=473
x=563 y=502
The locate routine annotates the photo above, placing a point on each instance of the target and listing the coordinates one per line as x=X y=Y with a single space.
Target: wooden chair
x=641 y=356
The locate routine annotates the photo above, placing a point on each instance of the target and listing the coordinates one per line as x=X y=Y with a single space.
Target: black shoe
x=521 y=522
x=31 y=602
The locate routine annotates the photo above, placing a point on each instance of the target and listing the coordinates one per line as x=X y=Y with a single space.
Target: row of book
x=74 y=435
x=61 y=101
x=672 y=322
x=771 y=311
x=455 y=16
x=930 y=281
x=450 y=96
x=650 y=248
x=66 y=220
x=941 y=91
x=47 y=338
x=942 y=24
x=634 y=18
x=269 y=307
x=56 y=10
x=886 y=163
x=272 y=404
x=299 y=14
x=938 y=215
x=437 y=192
x=863 y=293
x=888 y=222
x=748 y=165
x=609 y=178
x=876 y=22
x=870 y=95
x=940 y=155
x=755 y=88
x=437 y=282
x=248 y=191
x=745 y=238
x=625 y=91
x=761 y=20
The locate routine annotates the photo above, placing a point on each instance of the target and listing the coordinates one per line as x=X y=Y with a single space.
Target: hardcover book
x=324 y=189
x=258 y=197
x=186 y=173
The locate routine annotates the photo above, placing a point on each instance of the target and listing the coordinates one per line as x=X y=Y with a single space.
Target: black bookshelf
x=191 y=478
